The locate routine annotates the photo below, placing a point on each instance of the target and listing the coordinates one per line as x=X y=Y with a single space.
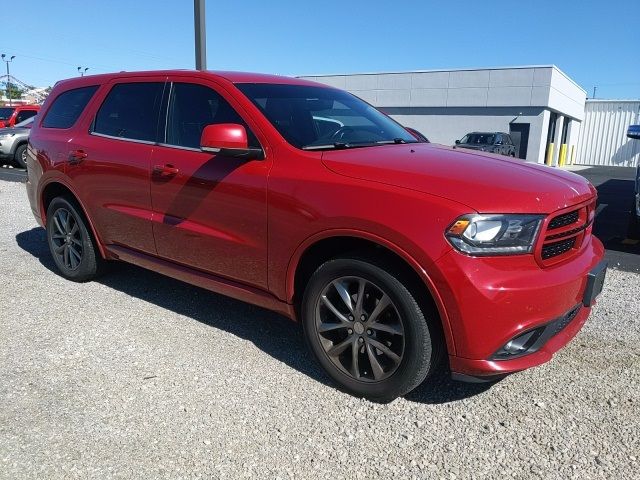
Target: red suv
x=11 y=116
x=305 y=200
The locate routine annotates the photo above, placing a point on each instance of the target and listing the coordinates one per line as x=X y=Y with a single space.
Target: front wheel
x=367 y=330
x=20 y=156
x=73 y=248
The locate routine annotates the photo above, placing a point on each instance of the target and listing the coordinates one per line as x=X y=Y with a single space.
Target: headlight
x=494 y=234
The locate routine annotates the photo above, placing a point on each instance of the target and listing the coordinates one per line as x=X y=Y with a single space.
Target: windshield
x=478 y=139
x=317 y=118
x=5 y=112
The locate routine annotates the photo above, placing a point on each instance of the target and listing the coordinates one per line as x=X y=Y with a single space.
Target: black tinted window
x=192 y=107
x=24 y=114
x=130 y=111
x=6 y=112
x=67 y=107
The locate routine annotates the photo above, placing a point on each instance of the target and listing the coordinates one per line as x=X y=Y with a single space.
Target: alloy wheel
x=67 y=239
x=360 y=329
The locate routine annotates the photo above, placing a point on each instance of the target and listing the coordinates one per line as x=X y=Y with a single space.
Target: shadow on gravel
x=272 y=333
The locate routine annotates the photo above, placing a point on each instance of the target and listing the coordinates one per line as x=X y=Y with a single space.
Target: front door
x=210 y=211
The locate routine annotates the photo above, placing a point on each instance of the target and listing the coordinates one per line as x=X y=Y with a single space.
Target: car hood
x=484 y=182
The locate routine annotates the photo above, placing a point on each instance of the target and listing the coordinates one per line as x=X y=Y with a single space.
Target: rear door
x=210 y=211
x=110 y=164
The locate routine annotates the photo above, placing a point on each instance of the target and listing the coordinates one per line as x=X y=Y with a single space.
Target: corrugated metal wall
x=603 y=139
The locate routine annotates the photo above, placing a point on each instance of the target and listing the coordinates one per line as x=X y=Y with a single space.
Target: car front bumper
x=491 y=301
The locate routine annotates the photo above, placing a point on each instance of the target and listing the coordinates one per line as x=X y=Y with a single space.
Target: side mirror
x=634 y=132
x=228 y=139
x=457 y=142
x=498 y=143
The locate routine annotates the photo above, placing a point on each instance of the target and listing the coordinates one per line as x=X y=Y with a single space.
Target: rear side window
x=130 y=111
x=67 y=107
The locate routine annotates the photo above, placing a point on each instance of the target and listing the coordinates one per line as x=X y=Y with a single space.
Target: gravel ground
x=141 y=376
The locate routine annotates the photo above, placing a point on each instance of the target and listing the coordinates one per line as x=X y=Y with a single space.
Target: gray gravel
x=141 y=376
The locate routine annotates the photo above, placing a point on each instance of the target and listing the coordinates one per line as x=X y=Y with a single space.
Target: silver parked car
x=13 y=143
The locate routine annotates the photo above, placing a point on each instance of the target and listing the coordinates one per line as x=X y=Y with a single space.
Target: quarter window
x=191 y=108
x=130 y=111
x=67 y=107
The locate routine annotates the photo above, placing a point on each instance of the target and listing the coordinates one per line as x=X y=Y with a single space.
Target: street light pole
x=8 y=77
x=81 y=71
x=201 y=34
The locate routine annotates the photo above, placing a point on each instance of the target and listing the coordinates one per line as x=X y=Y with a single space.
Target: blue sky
x=594 y=42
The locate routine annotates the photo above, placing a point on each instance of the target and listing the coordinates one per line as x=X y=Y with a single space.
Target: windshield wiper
x=329 y=146
x=389 y=142
x=345 y=145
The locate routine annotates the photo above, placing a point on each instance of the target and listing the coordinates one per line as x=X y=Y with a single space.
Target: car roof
x=486 y=133
x=233 y=77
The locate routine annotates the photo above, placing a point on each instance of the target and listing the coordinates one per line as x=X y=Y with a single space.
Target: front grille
x=565 y=233
x=564 y=220
x=557 y=248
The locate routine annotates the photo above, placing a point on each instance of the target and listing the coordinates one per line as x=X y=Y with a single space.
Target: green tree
x=15 y=92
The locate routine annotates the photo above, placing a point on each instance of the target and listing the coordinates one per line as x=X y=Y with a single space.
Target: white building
x=603 y=139
x=540 y=106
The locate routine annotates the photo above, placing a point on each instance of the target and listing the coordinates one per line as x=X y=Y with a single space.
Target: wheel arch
x=56 y=188
x=331 y=244
x=17 y=144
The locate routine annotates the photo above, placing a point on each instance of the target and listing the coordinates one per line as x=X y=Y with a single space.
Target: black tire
x=419 y=352
x=19 y=156
x=72 y=246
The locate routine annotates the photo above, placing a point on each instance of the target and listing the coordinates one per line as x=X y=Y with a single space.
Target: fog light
x=520 y=344
x=513 y=347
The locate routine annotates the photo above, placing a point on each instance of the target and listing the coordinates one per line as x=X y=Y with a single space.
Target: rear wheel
x=72 y=246
x=367 y=330
x=20 y=156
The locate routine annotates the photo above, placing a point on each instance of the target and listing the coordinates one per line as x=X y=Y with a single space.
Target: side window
x=499 y=139
x=24 y=114
x=130 y=111
x=67 y=107
x=191 y=108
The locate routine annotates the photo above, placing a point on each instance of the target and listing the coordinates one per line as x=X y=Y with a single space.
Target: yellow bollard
x=562 y=159
x=549 y=155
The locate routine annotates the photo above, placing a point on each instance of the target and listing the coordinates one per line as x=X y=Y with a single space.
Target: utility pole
x=594 y=91
x=201 y=34
x=4 y=59
x=81 y=71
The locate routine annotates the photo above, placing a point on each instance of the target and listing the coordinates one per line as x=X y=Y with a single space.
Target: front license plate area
x=595 y=282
